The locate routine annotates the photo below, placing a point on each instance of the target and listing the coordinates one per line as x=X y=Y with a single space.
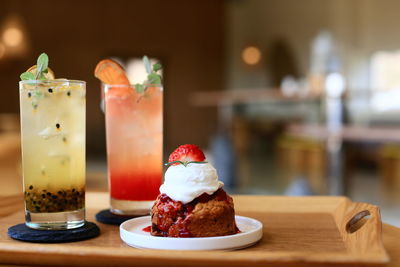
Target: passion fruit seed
x=69 y=93
x=50 y=90
x=58 y=126
x=59 y=201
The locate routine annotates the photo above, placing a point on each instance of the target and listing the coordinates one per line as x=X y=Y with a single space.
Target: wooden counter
x=297 y=232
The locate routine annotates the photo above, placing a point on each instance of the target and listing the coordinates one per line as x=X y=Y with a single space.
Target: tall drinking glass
x=134 y=129
x=53 y=153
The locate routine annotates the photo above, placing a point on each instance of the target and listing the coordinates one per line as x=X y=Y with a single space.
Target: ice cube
x=59 y=157
x=49 y=132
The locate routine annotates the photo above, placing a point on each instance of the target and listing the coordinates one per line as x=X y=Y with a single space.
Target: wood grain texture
x=298 y=231
x=359 y=242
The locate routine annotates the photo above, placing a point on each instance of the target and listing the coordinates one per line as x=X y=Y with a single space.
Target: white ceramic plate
x=132 y=233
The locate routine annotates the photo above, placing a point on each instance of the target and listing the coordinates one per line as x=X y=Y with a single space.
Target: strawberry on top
x=186 y=153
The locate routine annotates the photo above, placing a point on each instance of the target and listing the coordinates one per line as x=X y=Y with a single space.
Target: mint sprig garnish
x=157 y=67
x=185 y=163
x=140 y=88
x=42 y=66
x=153 y=77
x=27 y=76
x=147 y=64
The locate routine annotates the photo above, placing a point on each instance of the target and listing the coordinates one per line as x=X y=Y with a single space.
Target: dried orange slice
x=49 y=75
x=110 y=72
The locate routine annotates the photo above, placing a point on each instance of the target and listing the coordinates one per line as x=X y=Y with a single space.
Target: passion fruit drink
x=53 y=152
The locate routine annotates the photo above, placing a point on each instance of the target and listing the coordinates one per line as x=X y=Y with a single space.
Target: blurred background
x=286 y=97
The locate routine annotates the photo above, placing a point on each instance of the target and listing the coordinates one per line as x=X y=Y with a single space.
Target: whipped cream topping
x=186 y=183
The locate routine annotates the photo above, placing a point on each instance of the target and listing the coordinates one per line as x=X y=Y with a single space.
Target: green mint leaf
x=41 y=65
x=42 y=76
x=27 y=76
x=43 y=60
x=184 y=163
x=37 y=94
x=154 y=78
x=157 y=67
x=147 y=64
x=140 y=88
x=173 y=162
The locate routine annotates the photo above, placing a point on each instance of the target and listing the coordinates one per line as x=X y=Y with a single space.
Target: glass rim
x=51 y=81
x=130 y=85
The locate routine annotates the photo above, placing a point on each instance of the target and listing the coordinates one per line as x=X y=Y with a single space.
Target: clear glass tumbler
x=134 y=130
x=53 y=152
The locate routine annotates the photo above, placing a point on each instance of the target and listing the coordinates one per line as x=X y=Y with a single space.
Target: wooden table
x=11 y=213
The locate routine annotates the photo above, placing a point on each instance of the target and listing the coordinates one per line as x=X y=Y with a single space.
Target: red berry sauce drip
x=147 y=229
x=237 y=229
x=173 y=214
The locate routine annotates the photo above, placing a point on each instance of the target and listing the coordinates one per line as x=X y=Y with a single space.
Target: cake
x=192 y=201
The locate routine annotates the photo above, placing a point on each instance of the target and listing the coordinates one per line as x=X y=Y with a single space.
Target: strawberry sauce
x=147 y=229
x=173 y=214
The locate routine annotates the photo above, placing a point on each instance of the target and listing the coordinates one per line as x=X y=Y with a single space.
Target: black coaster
x=107 y=217
x=24 y=233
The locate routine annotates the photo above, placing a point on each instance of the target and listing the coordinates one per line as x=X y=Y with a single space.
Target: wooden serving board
x=298 y=231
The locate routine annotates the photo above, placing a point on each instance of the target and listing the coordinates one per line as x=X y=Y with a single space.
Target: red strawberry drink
x=134 y=130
